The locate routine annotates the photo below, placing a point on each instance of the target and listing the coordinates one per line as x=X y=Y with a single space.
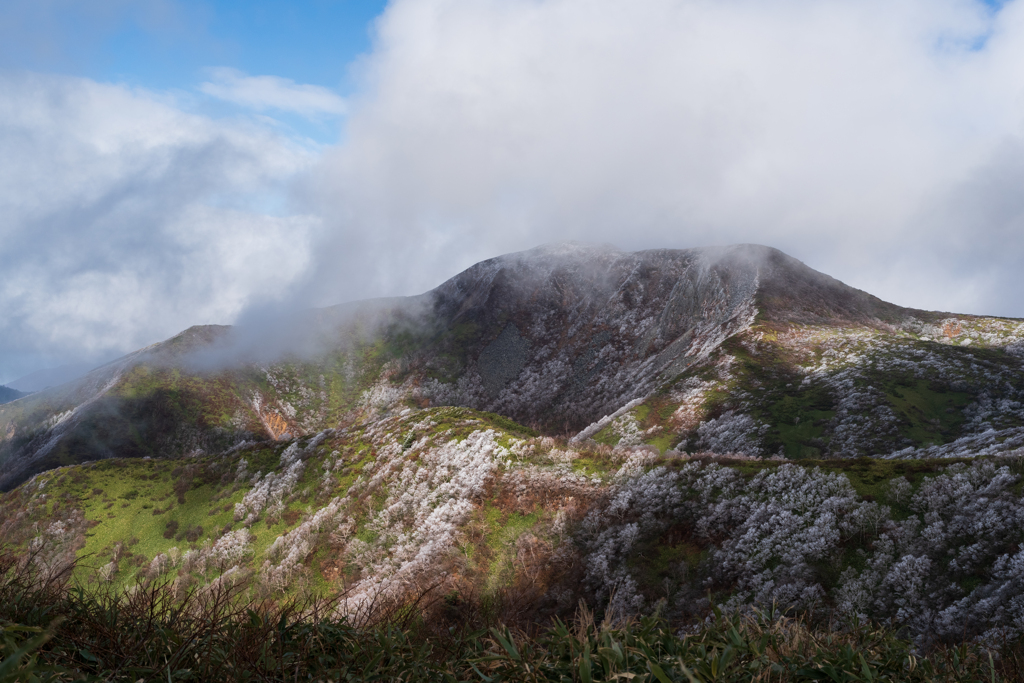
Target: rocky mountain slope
x=737 y=349
x=661 y=430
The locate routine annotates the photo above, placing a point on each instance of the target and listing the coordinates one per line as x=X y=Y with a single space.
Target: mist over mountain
x=50 y=377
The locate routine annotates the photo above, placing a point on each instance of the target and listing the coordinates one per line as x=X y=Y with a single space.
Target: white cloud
x=272 y=92
x=881 y=141
x=127 y=220
x=838 y=131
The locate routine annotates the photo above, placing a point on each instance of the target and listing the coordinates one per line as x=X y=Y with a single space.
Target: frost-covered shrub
x=52 y=550
x=636 y=460
x=270 y=490
x=160 y=565
x=605 y=421
x=898 y=490
x=767 y=537
x=383 y=395
x=242 y=471
x=731 y=432
x=286 y=554
x=968 y=525
x=108 y=571
x=641 y=506
x=430 y=495
x=230 y=548
x=792 y=519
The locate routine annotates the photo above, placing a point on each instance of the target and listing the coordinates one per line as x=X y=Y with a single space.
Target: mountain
x=7 y=394
x=50 y=377
x=668 y=429
x=737 y=349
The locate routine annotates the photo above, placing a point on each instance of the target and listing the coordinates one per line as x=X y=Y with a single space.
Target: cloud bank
x=878 y=140
x=127 y=219
x=881 y=141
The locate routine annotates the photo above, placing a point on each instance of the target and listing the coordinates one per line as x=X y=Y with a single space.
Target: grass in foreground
x=54 y=632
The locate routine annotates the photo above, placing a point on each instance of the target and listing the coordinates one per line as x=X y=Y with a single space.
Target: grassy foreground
x=52 y=631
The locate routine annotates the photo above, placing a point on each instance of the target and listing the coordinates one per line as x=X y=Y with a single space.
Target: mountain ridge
x=557 y=337
x=8 y=394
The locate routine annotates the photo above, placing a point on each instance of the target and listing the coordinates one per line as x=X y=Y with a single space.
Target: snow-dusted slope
x=740 y=349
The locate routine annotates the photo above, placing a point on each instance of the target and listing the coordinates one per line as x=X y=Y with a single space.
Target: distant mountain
x=51 y=377
x=732 y=349
x=7 y=394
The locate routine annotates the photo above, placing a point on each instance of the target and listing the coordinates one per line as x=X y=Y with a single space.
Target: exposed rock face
x=559 y=336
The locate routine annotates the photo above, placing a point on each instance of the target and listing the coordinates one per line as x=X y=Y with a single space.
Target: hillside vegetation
x=700 y=435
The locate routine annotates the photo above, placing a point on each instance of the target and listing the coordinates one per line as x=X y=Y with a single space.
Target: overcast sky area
x=168 y=163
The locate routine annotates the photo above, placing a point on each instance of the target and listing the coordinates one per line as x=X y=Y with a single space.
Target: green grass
x=798 y=421
x=930 y=415
x=132 y=491
x=591 y=464
x=607 y=436
x=664 y=441
x=503 y=530
x=505 y=527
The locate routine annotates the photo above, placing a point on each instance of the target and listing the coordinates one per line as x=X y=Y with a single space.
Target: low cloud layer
x=127 y=219
x=881 y=141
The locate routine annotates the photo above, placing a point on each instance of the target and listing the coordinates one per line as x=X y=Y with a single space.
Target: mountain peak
x=557 y=338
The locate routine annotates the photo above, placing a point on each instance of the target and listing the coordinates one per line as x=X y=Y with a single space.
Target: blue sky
x=170 y=45
x=167 y=163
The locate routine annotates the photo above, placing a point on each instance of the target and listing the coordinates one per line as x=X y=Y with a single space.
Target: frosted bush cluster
x=766 y=534
x=984 y=331
x=854 y=368
x=954 y=567
x=731 y=432
x=558 y=487
x=640 y=506
x=228 y=551
x=161 y=564
x=968 y=526
x=270 y=491
x=429 y=496
x=628 y=431
x=690 y=395
x=776 y=528
x=605 y=421
x=242 y=471
x=1003 y=442
x=636 y=460
x=286 y=554
x=383 y=394
x=54 y=546
x=297 y=398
